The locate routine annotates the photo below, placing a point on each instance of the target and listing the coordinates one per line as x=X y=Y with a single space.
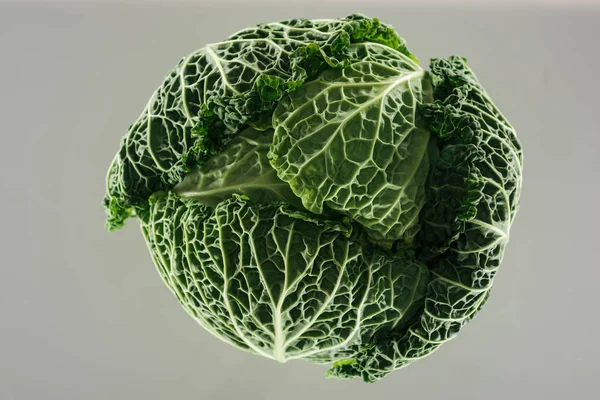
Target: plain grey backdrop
x=84 y=314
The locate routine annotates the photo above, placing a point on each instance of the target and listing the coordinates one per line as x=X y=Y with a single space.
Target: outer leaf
x=216 y=90
x=277 y=282
x=479 y=196
x=350 y=141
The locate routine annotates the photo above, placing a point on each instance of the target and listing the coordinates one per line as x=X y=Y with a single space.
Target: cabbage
x=308 y=191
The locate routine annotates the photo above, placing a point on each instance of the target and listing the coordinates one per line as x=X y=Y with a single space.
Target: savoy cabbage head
x=308 y=191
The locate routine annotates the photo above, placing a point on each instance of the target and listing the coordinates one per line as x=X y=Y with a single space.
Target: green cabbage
x=308 y=191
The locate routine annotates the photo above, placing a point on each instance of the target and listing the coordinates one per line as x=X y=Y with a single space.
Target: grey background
x=83 y=313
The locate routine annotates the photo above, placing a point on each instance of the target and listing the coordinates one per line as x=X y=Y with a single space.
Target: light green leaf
x=241 y=168
x=350 y=141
